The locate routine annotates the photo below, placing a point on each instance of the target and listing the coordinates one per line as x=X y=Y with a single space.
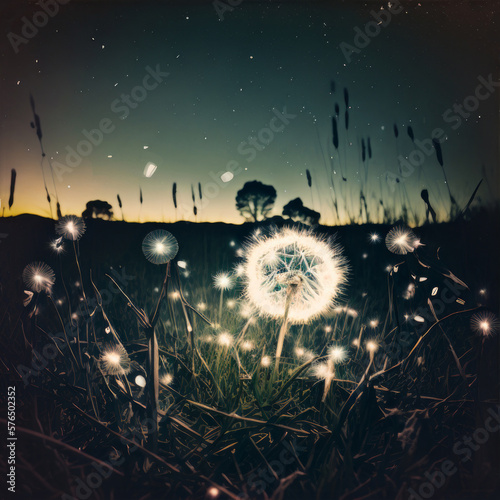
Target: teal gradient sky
x=226 y=80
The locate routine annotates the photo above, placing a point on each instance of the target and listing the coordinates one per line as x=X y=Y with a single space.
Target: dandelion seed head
x=337 y=354
x=223 y=281
x=485 y=323
x=225 y=339
x=373 y=323
x=114 y=360
x=160 y=246
x=300 y=352
x=57 y=245
x=401 y=240
x=265 y=361
x=166 y=378
x=352 y=312
x=296 y=266
x=247 y=345
x=201 y=306
x=231 y=303
x=371 y=346
x=355 y=342
x=374 y=237
x=239 y=270
x=71 y=227
x=323 y=371
x=38 y=277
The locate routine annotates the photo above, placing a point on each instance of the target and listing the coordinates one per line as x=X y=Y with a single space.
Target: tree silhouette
x=98 y=208
x=255 y=200
x=296 y=211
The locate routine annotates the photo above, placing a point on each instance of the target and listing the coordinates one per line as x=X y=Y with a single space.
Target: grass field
x=380 y=397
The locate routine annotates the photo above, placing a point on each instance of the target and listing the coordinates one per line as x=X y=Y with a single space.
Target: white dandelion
x=299 y=352
x=324 y=371
x=225 y=339
x=57 y=245
x=294 y=267
x=239 y=270
x=293 y=275
x=265 y=361
x=222 y=281
x=485 y=323
x=70 y=227
x=38 y=276
x=166 y=379
x=371 y=345
x=160 y=246
x=337 y=354
x=247 y=345
x=401 y=240
x=114 y=360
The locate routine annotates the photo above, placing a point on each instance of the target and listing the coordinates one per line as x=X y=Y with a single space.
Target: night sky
x=227 y=79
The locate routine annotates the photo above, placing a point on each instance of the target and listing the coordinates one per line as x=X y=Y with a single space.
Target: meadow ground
x=407 y=409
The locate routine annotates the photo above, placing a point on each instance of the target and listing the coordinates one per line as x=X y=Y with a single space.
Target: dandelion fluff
x=223 y=281
x=166 y=379
x=38 y=276
x=323 y=371
x=401 y=240
x=114 y=361
x=160 y=246
x=485 y=323
x=294 y=266
x=337 y=354
x=70 y=227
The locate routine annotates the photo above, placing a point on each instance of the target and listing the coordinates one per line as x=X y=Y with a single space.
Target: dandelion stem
x=292 y=288
x=220 y=305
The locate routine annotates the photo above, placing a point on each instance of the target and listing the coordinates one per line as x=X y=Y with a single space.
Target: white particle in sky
x=116 y=84
x=145 y=147
x=149 y=169
x=382 y=127
x=102 y=46
x=226 y=176
x=18 y=82
x=69 y=186
x=110 y=156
